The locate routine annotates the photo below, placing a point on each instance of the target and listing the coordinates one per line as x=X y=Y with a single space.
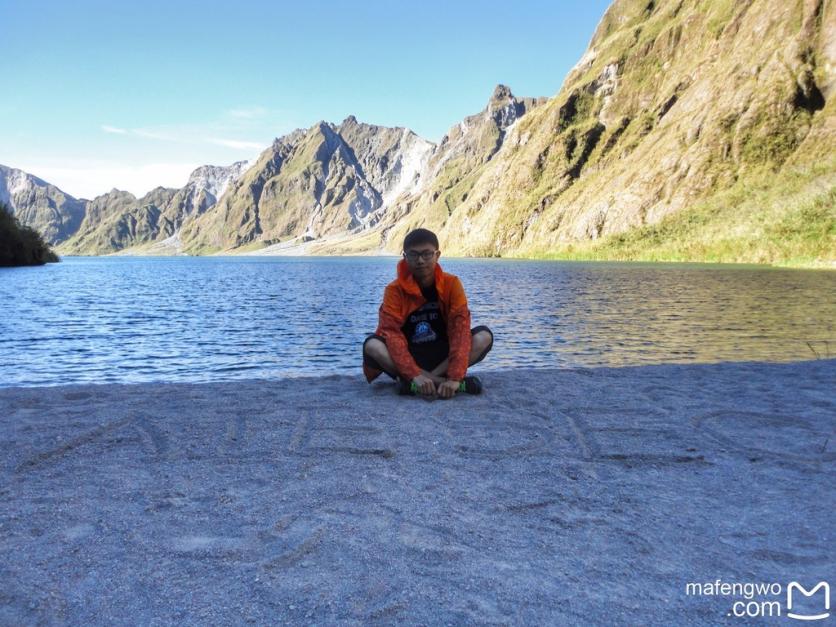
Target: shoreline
x=321 y=249
x=829 y=265
x=583 y=495
x=384 y=381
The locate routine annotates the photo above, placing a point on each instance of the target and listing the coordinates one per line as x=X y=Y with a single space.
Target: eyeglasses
x=426 y=255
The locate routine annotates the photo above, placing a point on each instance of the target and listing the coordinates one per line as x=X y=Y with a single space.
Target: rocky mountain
x=348 y=182
x=689 y=129
x=338 y=181
x=38 y=204
x=312 y=183
x=118 y=220
x=455 y=165
x=673 y=103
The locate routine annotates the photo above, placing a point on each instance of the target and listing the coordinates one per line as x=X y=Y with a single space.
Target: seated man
x=423 y=337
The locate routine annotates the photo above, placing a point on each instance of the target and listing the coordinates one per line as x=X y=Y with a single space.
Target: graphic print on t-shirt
x=426 y=331
x=423 y=318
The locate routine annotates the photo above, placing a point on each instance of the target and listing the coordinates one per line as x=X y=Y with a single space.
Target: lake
x=200 y=319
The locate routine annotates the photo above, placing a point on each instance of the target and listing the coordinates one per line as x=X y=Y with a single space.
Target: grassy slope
x=770 y=214
x=785 y=219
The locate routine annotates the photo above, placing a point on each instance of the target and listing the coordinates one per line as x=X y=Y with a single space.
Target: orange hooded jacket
x=403 y=296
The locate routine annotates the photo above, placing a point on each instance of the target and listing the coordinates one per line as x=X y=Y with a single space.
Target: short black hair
x=420 y=236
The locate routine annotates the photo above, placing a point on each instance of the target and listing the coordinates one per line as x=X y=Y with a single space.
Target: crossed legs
x=481 y=343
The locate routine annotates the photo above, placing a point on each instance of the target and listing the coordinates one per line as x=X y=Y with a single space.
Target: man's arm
x=458 y=332
x=390 y=329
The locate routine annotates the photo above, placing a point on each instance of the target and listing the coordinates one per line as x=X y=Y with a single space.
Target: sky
x=132 y=95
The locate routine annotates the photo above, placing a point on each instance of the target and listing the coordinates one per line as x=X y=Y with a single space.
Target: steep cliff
x=36 y=203
x=689 y=130
x=118 y=220
x=329 y=179
x=673 y=104
x=21 y=245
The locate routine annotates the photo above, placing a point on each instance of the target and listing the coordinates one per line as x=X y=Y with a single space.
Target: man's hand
x=448 y=389
x=437 y=379
x=425 y=384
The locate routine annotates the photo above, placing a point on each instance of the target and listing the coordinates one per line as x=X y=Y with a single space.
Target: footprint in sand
x=781 y=436
x=77 y=396
x=497 y=439
x=278 y=547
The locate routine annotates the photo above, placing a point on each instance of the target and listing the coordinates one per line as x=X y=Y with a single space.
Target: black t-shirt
x=426 y=331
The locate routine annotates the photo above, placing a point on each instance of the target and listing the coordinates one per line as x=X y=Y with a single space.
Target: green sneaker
x=470 y=385
x=407 y=388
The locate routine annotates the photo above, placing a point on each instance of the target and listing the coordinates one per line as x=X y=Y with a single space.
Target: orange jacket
x=403 y=296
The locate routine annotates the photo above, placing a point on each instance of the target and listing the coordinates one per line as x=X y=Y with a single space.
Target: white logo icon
x=795 y=585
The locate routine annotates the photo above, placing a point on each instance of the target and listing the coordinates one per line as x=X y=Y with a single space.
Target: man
x=423 y=338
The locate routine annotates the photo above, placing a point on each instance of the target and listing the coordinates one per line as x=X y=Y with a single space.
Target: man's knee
x=375 y=347
x=481 y=343
x=482 y=339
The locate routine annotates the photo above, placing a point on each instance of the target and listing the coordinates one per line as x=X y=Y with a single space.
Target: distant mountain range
x=688 y=128
x=115 y=220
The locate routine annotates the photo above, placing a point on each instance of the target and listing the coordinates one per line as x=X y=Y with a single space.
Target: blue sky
x=133 y=95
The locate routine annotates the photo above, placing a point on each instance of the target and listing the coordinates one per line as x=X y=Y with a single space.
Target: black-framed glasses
x=413 y=255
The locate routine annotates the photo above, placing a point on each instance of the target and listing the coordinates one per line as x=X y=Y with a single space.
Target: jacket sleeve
x=390 y=328
x=458 y=332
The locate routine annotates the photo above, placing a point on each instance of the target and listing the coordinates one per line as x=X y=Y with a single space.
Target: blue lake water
x=199 y=319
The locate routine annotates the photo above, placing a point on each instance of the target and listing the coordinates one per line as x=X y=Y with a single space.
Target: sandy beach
x=584 y=496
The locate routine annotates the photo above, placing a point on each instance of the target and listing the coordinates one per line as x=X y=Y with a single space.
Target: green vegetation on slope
x=787 y=219
x=21 y=245
x=689 y=131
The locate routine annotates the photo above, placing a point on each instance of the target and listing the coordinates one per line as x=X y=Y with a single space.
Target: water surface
x=138 y=319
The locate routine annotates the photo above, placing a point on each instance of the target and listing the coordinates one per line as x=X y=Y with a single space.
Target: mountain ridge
x=677 y=109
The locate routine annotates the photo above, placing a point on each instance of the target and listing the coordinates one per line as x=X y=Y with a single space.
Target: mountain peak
x=501 y=92
x=219 y=171
x=214 y=179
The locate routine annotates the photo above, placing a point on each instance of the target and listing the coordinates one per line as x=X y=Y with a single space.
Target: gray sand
x=587 y=496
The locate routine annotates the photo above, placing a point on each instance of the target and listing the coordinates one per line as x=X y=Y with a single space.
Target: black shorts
x=428 y=360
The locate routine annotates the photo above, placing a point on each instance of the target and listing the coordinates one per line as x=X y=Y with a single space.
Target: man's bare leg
x=479 y=343
x=378 y=351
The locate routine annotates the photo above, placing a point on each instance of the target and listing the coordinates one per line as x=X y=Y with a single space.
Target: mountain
x=344 y=185
x=677 y=114
x=689 y=130
x=329 y=179
x=456 y=164
x=333 y=183
x=118 y=220
x=36 y=203
x=21 y=245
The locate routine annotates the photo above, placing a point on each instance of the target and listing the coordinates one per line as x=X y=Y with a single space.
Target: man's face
x=421 y=259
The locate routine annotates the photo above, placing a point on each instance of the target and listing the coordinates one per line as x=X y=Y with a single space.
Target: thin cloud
x=247 y=113
x=186 y=134
x=141 y=132
x=234 y=143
